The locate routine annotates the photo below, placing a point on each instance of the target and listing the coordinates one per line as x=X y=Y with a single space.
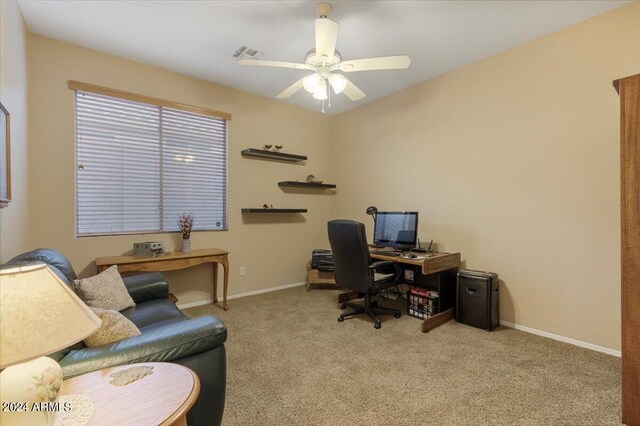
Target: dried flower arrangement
x=185 y=223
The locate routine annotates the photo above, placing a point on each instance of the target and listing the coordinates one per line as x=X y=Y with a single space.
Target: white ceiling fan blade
x=353 y=92
x=371 y=64
x=326 y=37
x=291 y=89
x=261 y=63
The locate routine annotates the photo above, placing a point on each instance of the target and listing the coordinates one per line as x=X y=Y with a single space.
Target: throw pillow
x=105 y=290
x=114 y=327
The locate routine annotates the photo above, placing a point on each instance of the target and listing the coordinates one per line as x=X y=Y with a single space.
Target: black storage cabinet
x=477 y=299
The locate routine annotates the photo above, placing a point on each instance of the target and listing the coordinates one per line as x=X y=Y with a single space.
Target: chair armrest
x=164 y=342
x=397 y=269
x=376 y=265
x=148 y=286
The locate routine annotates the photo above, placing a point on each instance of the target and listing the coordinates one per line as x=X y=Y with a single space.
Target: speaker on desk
x=477 y=299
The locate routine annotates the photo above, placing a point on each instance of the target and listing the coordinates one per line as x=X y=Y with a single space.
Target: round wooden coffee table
x=161 y=398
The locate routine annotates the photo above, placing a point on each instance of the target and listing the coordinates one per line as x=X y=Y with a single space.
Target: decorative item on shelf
x=277 y=148
x=185 y=223
x=312 y=179
x=29 y=378
x=267 y=206
x=267 y=146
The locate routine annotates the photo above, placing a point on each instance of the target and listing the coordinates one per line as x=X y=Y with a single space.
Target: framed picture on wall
x=5 y=157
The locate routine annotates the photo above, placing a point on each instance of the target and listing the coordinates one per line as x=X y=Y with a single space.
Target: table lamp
x=372 y=211
x=39 y=315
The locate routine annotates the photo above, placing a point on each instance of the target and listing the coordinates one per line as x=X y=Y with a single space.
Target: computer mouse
x=413 y=256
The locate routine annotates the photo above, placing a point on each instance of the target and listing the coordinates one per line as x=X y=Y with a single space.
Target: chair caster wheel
x=377 y=325
x=340 y=319
x=396 y=315
x=343 y=306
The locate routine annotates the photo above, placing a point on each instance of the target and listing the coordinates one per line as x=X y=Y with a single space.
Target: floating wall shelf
x=272 y=155
x=315 y=185
x=262 y=210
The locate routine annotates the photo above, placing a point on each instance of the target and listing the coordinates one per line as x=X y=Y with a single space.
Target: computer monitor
x=396 y=229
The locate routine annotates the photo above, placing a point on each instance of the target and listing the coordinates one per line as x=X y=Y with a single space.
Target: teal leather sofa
x=167 y=335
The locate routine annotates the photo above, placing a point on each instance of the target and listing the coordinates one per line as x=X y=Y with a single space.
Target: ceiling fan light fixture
x=323 y=59
x=310 y=83
x=338 y=83
x=320 y=92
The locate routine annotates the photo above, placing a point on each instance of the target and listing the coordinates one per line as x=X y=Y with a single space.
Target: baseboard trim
x=237 y=296
x=562 y=338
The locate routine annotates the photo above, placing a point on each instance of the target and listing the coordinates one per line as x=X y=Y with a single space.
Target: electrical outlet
x=243 y=271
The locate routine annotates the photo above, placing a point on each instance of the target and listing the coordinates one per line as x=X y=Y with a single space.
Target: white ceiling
x=198 y=38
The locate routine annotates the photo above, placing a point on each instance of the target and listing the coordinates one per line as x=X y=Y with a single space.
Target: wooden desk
x=161 y=398
x=438 y=262
x=172 y=261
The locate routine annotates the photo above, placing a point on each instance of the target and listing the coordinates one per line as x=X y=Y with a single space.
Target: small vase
x=186 y=246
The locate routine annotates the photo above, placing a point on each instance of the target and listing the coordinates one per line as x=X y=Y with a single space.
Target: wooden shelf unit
x=314 y=185
x=272 y=155
x=629 y=90
x=263 y=210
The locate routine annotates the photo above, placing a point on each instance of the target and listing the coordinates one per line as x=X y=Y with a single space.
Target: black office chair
x=354 y=270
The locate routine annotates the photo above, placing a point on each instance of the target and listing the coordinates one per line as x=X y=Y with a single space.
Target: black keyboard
x=386 y=253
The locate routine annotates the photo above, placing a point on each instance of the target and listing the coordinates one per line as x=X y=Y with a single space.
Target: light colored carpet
x=291 y=363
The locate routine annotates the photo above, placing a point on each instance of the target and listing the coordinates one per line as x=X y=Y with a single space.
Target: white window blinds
x=139 y=166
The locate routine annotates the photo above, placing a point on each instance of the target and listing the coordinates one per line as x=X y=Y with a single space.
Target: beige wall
x=14 y=223
x=274 y=249
x=514 y=162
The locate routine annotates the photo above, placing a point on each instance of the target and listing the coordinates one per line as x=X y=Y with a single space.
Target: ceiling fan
x=325 y=60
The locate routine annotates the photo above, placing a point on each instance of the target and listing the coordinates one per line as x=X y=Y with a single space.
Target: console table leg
x=225 y=265
x=215 y=282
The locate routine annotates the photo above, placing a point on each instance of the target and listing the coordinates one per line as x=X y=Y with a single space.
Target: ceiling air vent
x=245 y=51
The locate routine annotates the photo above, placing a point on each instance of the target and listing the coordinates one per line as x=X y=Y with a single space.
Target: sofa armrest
x=148 y=286
x=165 y=342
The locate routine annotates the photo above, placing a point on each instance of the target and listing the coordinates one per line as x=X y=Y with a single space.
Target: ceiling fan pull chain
x=328 y=96
x=323 y=106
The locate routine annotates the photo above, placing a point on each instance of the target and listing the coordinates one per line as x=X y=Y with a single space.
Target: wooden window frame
x=100 y=90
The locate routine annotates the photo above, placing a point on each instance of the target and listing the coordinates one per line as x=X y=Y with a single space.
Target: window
x=139 y=165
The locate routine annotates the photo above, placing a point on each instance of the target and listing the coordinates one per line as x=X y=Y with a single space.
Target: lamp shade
x=338 y=82
x=320 y=92
x=310 y=82
x=39 y=314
